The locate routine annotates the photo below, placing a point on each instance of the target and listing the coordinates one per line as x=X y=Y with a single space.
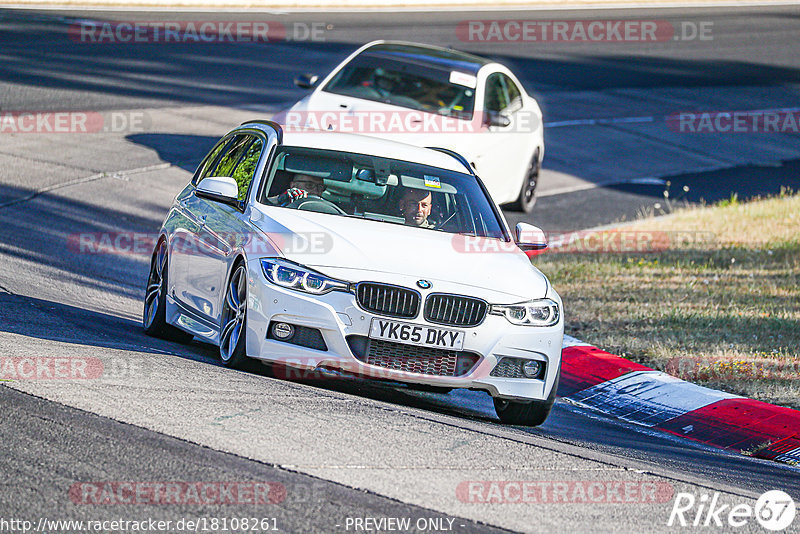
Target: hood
x=357 y=249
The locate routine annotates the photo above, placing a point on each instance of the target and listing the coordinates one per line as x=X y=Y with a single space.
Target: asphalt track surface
x=340 y=448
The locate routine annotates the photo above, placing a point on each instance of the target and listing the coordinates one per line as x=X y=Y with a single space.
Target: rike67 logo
x=774 y=510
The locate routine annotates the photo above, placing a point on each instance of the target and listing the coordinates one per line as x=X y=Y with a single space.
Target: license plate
x=415 y=334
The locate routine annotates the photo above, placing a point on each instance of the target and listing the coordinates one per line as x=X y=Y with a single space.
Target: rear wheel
x=154 y=318
x=527 y=194
x=232 y=342
x=527 y=413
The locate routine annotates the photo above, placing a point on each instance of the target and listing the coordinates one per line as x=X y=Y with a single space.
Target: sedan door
x=504 y=146
x=184 y=242
x=224 y=229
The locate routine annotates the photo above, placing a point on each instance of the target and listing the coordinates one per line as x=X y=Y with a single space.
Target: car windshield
x=409 y=84
x=380 y=189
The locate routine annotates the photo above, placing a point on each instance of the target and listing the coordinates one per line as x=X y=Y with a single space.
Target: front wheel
x=527 y=194
x=526 y=413
x=232 y=342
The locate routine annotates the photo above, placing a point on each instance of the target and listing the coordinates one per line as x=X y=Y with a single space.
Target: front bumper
x=337 y=315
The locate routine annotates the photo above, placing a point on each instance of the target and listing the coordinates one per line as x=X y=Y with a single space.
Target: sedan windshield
x=425 y=87
x=380 y=189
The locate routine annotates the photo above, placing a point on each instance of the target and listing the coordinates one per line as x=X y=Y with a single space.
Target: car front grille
x=454 y=310
x=411 y=358
x=385 y=299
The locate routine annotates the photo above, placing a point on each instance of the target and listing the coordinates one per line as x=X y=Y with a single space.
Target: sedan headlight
x=294 y=276
x=543 y=312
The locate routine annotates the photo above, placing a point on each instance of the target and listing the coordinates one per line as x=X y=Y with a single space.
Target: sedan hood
x=358 y=249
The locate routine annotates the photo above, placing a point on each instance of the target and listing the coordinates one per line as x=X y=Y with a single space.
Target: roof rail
x=461 y=159
x=269 y=123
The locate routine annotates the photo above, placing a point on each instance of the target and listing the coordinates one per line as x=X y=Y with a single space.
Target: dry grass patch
x=723 y=312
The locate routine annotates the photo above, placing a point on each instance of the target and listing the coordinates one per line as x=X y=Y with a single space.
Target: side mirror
x=495 y=118
x=530 y=237
x=306 y=81
x=219 y=189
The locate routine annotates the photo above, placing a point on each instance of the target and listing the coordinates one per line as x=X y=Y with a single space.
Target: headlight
x=543 y=312
x=293 y=276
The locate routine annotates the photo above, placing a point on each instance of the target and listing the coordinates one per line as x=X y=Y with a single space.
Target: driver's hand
x=291 y=195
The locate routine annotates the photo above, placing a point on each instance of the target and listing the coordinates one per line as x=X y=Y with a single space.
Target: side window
x=496 y=98
x=233 y=152
x=245 y=170
x=514 y=96
x=208 y=164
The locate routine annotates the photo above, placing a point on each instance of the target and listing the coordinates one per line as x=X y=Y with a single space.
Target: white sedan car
x=354 y=255
x=431 y=96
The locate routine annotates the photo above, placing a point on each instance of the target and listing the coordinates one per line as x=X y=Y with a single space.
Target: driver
x=301 y=186
x=416 y=207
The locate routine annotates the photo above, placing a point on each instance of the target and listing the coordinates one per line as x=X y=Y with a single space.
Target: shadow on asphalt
x=45 y=319
x=66 y=234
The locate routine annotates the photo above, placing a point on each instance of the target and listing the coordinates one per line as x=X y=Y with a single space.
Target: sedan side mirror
x=306 y=81
x=220 y=189
x=530 y=237
x=495 y=118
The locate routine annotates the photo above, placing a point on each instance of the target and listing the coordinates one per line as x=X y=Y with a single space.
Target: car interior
x=369 y=187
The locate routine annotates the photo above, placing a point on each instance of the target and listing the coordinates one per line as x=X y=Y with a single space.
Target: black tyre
x=530 y=413
x=527 y=194
x=154 y=316
x=232 y=334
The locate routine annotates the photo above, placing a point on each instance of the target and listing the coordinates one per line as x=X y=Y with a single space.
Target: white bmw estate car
x=360 y=256
x=431 y=96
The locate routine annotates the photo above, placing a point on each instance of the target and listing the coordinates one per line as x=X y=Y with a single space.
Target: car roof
x=446 y=58
x=372 y=146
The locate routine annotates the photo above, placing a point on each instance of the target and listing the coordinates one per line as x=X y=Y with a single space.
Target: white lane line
x=595 y=122
x=648 y=398
x=653 y=118
x=644 y=180
x=87 y=179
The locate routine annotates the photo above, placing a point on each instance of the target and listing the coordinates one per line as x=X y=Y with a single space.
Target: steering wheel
x=316 y=203
x=448 y=221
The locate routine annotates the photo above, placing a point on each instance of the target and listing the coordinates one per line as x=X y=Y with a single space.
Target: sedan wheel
x=530 y=413
x=232 y=341
x=527 y=194
x=155 y=301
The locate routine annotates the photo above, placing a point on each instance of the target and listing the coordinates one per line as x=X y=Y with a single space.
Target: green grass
x=723 y=312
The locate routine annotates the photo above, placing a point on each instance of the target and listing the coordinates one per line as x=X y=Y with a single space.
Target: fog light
x=282 y=330
x=531 y=368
